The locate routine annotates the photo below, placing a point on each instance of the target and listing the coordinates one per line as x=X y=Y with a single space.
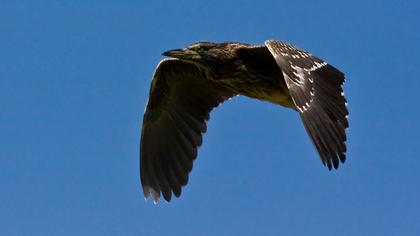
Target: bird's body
x=196 y=79
x=257 y=77
x=248 y=70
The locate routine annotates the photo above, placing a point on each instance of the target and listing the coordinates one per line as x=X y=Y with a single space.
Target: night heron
x=195 y=79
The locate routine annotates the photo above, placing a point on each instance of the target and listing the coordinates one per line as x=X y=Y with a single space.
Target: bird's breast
x=267 y=88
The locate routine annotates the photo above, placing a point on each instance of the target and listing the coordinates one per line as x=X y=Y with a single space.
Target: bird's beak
x=180 y=53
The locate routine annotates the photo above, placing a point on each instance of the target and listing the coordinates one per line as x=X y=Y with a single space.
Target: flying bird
x=195 y=79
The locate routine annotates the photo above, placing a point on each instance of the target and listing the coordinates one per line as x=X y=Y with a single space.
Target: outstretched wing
x=180 y=101
x=316 y=89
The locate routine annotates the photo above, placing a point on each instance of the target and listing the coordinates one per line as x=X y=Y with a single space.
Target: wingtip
x=146 y=192
x=329 y=166
x=150 y=192
x=335 y=163
x=156 y=196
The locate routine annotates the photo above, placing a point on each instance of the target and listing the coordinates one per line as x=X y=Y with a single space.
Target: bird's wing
x=316 y=90
x=180 y=101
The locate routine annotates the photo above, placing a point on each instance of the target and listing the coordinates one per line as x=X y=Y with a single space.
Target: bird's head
x=206 y=54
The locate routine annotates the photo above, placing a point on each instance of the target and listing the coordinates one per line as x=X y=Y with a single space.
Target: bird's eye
x=200 y=49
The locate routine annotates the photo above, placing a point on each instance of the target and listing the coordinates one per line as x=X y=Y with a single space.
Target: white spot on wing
x=298 y=72
x=316 y=65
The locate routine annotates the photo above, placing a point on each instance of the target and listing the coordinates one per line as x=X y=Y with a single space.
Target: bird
x=192 y=81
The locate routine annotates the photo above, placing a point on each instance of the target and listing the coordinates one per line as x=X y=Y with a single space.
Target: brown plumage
x=196 y=79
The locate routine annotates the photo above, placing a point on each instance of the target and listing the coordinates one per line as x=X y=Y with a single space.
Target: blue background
x=74 y=80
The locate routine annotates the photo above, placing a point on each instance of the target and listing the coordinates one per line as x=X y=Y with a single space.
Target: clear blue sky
x=74 y=80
